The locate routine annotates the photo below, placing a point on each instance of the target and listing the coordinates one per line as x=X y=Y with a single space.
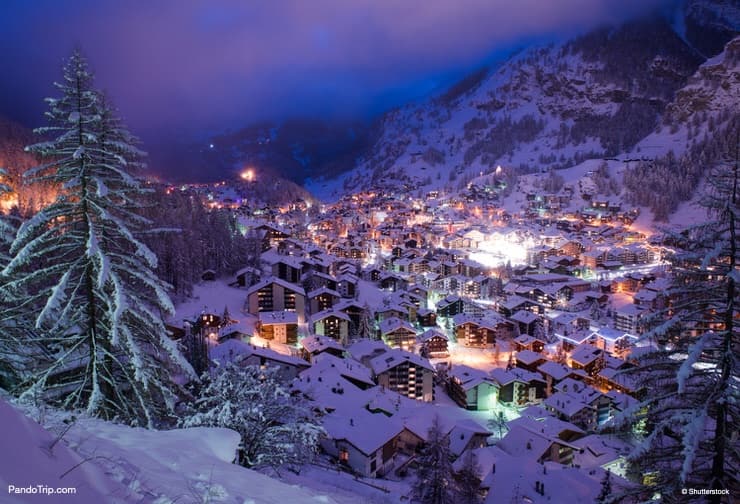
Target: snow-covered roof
x=566 y=404
x=323 y=290
x=529 y=357
x=490 y=321
x=329 y=312
x=230 y=350
x=316 y=343
x=347 y=367
x=362 y=429
x=366 y=348
x=523 y=442
x=621 y=401
x=514 y=301
x=524 y=316
x=610 y=334
x=277 y=317
x=538 y=419
x=556 y=370
x=467 y=377
x=597 y=450
x=514 y=481
x=526 y=339
x=327 y=387
x=396 y=357
x=274 y=280
x=504 y=377
x=392 y=324
x=233 y=350
x=486 y=458
x=431 y=333
x=584 y=354
x=631 y=309
x=461 y=434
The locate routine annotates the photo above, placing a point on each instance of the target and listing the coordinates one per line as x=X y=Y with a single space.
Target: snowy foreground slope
x=110 y=463
x=25 y=460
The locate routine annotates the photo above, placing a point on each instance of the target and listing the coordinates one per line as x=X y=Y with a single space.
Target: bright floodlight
x=247 y=175
x=498 y=251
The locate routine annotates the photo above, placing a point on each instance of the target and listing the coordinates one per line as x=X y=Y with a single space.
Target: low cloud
x=180 y=64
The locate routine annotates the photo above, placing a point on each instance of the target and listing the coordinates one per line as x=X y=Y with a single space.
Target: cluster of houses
x=363 y=312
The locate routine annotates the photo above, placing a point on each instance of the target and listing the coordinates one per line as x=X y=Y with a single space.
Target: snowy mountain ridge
x=616 y=92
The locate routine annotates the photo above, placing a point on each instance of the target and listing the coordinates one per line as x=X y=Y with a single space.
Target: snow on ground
x=212 y=297
x=485 y=359
x=621 y=299
x=114 y=463
x=27 y=458
x=369 y=293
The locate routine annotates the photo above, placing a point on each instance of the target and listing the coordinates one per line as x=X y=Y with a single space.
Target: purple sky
x=212 y=64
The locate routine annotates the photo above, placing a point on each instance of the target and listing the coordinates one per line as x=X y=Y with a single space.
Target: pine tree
x=12 y=361
x=511 y=364
x=690 y=414
x=276 y=427
x=561 y=357
x=366 y=327
x=606 y=488
x=226 y=317
x=83 y=276
x=253 y=250
x=434 y=478
x=468 y=481
x=7 y=229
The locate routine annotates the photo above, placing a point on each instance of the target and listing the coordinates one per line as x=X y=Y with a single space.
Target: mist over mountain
x=547 y=107
x=613 y=92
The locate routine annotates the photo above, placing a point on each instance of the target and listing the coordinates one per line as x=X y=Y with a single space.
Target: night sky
x=196 y=66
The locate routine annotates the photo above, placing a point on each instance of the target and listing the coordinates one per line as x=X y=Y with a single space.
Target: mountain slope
x=605 y=94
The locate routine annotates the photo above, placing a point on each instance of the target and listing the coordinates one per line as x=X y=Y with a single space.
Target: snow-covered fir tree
x=11 y=351
x=7 y=229
x=467 y=480
x=81 y=273
x=366 y=327
x=690 y=412
x=435 y=478
x=277 y=428
x=606 y=489
x=253 y=249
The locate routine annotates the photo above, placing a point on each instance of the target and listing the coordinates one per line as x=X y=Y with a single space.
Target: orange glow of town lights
x=247 y=175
